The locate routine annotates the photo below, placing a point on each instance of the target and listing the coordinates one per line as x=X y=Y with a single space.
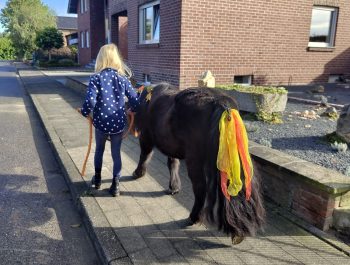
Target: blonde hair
x=108 y=57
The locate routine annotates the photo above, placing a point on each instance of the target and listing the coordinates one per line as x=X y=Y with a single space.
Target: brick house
x=69 y=27
x=268 y=42
x=91 y=27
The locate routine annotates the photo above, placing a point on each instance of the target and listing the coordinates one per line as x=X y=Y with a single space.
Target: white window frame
x=142 y=26
x=333 y=27
x=82 y=40
x=86 y=5
x=82 y=6
x=87 y=37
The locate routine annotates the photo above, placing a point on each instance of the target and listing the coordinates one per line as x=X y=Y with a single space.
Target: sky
x=59 y=6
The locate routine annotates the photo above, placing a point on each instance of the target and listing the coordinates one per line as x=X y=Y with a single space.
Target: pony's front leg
x=196 y=174
x=174 y=182
x=146 y=146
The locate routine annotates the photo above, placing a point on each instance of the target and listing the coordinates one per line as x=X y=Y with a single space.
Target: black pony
x=184 y=125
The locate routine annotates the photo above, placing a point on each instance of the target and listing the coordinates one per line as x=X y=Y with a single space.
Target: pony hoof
x=137 y=176
x=172 y=192
x=237 y=239
x=189 y=221
x=193 y=221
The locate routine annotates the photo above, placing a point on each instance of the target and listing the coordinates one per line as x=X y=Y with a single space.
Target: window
x=243 y=79
x=81 y=6
x=82 y=39
x=147 y=79
x=323 y=25
x=87 y=39
x=149 y=22
x=336 y=78
x=86 y=5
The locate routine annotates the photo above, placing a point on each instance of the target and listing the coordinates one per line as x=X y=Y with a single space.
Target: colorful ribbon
x=233 y=150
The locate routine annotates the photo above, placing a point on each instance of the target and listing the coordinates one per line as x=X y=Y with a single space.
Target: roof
x=67 y=23
x=72 y=7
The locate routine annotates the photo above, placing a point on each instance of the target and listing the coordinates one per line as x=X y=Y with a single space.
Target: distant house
x=276 y=42
x=69 y=28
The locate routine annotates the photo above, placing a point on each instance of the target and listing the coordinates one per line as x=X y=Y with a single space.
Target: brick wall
x=302 y=188
x=83 y=26
x=92 y=21
x=160 y=61
x=98 y=34
x=267 y=39
x=123 y=37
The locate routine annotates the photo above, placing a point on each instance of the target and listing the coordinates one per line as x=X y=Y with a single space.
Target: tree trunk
x=49 y=56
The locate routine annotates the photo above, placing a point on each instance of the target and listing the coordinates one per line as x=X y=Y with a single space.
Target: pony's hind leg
x=146 y=146
x=174 y=182
x=196 y=174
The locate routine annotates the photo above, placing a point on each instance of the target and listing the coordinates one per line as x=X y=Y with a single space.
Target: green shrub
x=7 y=50
x=57 y=63
x=66 y=62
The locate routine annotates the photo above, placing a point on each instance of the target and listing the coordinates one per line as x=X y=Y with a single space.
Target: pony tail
x=237 y=215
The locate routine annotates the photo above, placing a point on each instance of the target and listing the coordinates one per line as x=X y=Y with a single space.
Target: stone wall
x=309 y=191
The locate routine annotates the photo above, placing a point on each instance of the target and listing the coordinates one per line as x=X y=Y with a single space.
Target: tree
x=49 y=38
x=7 y=51
x=22 y=19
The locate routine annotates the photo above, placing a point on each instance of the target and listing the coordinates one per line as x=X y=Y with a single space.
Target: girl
x=105 y=98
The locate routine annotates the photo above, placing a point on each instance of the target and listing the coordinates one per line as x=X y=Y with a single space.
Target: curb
x=102 y=235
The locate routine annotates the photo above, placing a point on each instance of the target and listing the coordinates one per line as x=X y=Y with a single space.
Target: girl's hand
x=129 y=112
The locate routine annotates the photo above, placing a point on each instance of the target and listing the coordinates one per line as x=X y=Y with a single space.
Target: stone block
x=345 y=200
x=252 y=102
x=207 y=80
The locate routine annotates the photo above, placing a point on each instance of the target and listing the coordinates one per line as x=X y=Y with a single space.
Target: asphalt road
x=39 y=223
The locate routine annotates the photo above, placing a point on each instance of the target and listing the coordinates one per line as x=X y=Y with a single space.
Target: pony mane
x=164 y=87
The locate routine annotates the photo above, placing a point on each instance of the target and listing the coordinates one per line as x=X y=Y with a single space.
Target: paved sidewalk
x=144 y=225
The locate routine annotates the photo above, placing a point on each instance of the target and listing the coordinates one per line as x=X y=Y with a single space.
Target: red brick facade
x=266 y=39
x=92 y=22
x=160 y=61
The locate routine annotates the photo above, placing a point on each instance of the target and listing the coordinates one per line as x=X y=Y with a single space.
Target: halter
x=145 y=93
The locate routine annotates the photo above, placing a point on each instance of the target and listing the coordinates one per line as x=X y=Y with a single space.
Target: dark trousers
x=116 y=141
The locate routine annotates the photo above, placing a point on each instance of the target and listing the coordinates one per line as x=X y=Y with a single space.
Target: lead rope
x=131 y=119
x=89 y=147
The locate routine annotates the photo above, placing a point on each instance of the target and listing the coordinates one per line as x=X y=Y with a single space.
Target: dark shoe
x=96 y=180
x=114 y=189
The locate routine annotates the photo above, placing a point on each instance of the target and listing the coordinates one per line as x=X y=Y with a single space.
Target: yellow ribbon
x=233 y=149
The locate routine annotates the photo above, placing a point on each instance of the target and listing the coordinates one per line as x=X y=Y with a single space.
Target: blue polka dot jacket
x=106 y=98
